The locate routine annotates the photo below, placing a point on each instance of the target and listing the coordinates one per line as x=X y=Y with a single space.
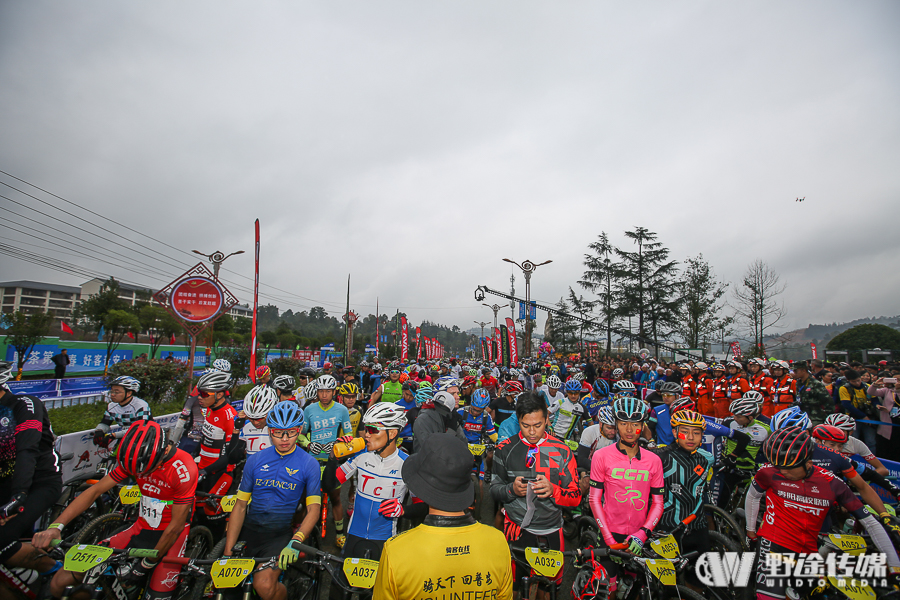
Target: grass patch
x=70 y=419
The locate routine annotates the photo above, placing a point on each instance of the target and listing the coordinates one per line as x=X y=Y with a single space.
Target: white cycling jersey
x=256 y=439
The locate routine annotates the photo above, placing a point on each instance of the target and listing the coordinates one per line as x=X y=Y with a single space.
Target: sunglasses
x=395 y=372
x=205 y=394
x=284 y=433
x=531 y=458
x=372 y=430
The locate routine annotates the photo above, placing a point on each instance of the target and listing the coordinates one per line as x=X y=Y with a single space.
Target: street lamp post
x=496 y=308
x=528 y=268
x=217 y=258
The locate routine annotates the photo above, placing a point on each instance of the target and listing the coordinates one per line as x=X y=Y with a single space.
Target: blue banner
x=41 y=388
x=81 y=360
x=182 y=356
x=80 y=386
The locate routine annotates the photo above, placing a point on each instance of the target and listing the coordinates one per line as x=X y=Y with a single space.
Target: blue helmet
x=573 y=385
x=445 y=382
x=630 y=410
x=424 y=394
x=791 y=417
x=624 y=386
x=601 y=387
x=481 y=398
x=285 y=415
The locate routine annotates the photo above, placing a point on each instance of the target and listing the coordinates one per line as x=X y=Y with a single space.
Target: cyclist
x=594 y=437
x=625 y=387
x=760 y=382
x=327 y=422
x=800 y=495
x=380 y=489
x=390 y=390
x=687 y=469
x=30 y=477
x=853 y=445
x=550 y=392
x=479 y=427
x=284 y=385
x=835 y=439
x=263 y=375
x=191 y=417
x=348 y=395
x=466 y=389
x=660 y=415
x=257 y=404
x=167 y=478
x=304 y=377
x=279 y=479
x=440 y=415
x=741 y=463
x=489 y=382
x=566 y=415
x=125 y=408
x=626 y=494
x=504 y=406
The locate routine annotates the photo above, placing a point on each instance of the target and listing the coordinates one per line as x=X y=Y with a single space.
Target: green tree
x=701 y=307
x=157 y=322
x=267 y=339
x=90 y=313
x=24 y=331
x=117 y=324
x=160 y=380
x=867 y=336
x=583 y=309
x=599 y=277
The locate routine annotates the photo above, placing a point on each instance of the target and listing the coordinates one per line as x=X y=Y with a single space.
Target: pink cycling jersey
x=626 y=493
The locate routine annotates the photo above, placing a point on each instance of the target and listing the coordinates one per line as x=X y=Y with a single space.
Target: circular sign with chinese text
x=196 y=299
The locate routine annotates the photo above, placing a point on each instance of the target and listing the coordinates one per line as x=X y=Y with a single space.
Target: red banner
x=418 y=343
x=513 y=349
x=404 y=340
x=425 y=342
x=736 y=349
x=813 y=347
x=255 y=309
x=498 y=352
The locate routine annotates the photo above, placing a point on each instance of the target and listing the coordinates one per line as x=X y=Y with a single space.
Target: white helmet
x=841 y=421
x=554 y=382
x=259 y=401
x=618 y=372
x=309 y=392
x=220 y=364
x=386 y=415
x=326 y=382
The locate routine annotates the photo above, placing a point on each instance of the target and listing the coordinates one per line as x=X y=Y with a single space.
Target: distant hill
x=823 y=333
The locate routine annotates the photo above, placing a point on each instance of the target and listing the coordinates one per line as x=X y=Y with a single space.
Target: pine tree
x=700 y=311
x=599 y=277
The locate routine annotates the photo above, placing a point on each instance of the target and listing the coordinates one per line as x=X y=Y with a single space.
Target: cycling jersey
x=477 y=428
x=795 y=510
x=355 y=418
x=661 y=416
x=217 y=431
x=278 y=483
x=622 y=489
x=746 y=458
x=326 y=425
x=124 y=416
x=835 y=462
x=26 y=444
x=549 y=399
x=173 y=482
x=687 y=475
x=593 y=439
x=714 y=430
x=377 y=480
x=391 y=391
x=565 y=416
x=407 y=405
x=255 y=439
x=856 y=446
x=503 y=409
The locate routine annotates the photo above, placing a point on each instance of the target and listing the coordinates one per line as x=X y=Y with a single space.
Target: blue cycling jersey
x=377 y=480
x=663 y=417
x=278 y=483
x=477 y=428
x=508 y=428
x=326 y=425
x=407 y=431
x=714 y=431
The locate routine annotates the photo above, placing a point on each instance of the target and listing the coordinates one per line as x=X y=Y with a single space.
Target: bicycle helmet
x=605 y=416
x=143 y=448
x=630 y=410
x=349 y=389
x=624 y=386
x=310 y=391
x=591 y=582
x=753 y=396
x=515 y=387
x=307 y=372
x=287 y=414
x=578 y=377
x=468 y=380
x=789 y=447
x=424 y=394
x=668 y=387
x=6 y=368
x=790 y=417
x=327 y=365
x=744 y=407
x=473 y=372
x=263 y=371
x=572 y=385
x=554 y=382
x=284 y=383
x=845 y=422
x=220 y=364
x=259 y=401
x=618 y=373
x=481 y=398
x=601 y=387
x=683 y=403
x=377 y=368
x=385 y=415
x=689 y=418
x=326 y=382
x=214 y=381
x=830 y=433
x=127 y=382
x=446 y=382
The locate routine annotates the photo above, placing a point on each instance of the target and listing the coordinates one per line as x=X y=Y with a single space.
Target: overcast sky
x=414 y=145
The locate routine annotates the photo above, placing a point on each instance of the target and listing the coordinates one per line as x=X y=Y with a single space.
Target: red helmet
x=830 y=433
x=683 y=403
x=143 y=448
x=327 y=365
x=468 y=380
x=514 y=387
x=263 y=371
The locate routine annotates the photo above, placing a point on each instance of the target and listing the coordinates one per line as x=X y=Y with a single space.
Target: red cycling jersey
x=795 y=510
x=173 y=482
x=217 y=431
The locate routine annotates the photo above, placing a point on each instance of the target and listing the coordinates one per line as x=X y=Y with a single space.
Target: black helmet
x=789 y=447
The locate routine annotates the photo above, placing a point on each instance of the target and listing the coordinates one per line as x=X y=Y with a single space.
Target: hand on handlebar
x=42 y=540
x=289 y=555
x=12 y=508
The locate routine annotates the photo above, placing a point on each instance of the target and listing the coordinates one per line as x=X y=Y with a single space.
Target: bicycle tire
x=198 y=544
x=723 y=543
x=98 y=508
x=99 y=529
x=683 y=592
x=202 y=584
x=724 y=523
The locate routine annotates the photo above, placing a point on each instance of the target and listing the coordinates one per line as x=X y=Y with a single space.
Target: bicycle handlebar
x=130 y=552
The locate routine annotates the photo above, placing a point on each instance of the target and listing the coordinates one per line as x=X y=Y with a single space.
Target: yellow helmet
x=689 y=418
x=349 y=389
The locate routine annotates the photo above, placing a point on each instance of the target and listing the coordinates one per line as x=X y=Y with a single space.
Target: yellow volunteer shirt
x=445 y=563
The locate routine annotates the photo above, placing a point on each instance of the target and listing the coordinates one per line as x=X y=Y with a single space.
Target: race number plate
x=572 y=444
x=666 y=547
x=230 y=572
x=851 y=544
x=228 y=503
x=81 y=558
x=476 y=449
x=360 y=572
x=663 y=570
x=853 y=589
x=546 y=563
x=130 y=494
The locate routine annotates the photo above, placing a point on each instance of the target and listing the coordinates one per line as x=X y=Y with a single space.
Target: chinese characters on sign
x=197 y=299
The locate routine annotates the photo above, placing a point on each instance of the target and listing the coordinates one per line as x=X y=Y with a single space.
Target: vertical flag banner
x=504 y=345
x=815 y=354
x=489 y=344
x=736 y=349
x=404 y=340
x=377 y=339
x=255 y=308
x=418 y=343
x=483 y=349
x=498 y=352
x=513 y=343
x=427 y=348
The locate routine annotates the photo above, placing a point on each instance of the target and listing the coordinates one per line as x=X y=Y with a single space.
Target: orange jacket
x=784 y=392
x=689 y=387
x=737 y=386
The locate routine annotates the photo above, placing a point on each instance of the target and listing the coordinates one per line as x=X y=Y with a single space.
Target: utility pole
x=528 y=268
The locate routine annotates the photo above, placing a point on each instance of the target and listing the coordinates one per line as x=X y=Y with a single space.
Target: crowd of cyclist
x=640 y=446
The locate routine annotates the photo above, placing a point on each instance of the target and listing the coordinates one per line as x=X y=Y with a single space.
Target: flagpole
x=347 y=325
x=252 y=373
x=377 y=339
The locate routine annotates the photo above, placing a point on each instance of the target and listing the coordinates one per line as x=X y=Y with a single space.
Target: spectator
x=61 y=361
x=857 y=404
x=814 y=398
x=889 y=397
